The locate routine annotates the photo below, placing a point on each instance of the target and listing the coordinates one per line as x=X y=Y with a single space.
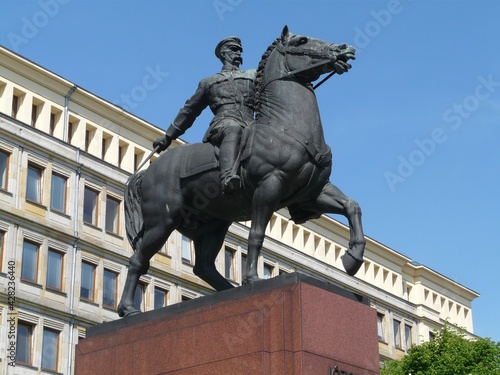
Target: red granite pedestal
x=291 y=324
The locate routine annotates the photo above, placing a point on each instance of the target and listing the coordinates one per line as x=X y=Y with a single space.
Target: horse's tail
x=134 y=222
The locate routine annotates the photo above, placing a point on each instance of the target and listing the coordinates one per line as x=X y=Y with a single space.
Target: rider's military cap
x=231 y=40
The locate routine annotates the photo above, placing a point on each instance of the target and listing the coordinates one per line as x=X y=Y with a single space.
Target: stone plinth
x=290 y=324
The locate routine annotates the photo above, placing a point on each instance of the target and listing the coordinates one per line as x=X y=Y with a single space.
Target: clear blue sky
x=414 y=126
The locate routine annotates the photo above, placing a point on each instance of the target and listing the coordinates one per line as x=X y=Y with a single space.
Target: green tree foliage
x=450 y=353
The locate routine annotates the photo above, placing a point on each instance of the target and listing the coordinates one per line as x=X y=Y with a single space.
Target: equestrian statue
x=264 y=150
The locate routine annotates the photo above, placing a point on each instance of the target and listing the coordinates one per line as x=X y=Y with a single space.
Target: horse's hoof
x=251 y=279
x=127 y=311
x=351 y=264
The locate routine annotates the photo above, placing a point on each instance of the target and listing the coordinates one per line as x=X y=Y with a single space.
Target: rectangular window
x=2 y=235
x=87 y=283
x=160 y=298
x=229 y=264
x=139 y=297
x=90 y=200
x=58 y=193
x=29 y=266
x=4 y=169
x=34 y=114
x=112 y=214
x=24 y=343
x=407 y=336
x=109 y=293
x=186 y=249
x=380 y=326
x=397 y=333
x=54 y=269
x=268 y=271
x=50 y=348
x=34 y=184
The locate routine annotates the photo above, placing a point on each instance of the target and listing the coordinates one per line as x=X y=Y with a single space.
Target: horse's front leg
x=332 y=200
x=265 y=200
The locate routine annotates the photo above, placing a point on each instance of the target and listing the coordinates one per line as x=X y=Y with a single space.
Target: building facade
x=65 y=156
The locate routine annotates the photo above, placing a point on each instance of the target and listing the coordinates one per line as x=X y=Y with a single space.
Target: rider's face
x=231 y=53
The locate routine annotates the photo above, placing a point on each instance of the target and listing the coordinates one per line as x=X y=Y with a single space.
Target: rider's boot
x=228 y=154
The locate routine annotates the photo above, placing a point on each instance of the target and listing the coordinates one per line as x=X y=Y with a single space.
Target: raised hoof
x=127 y=311
x=351 y=264
x=251 y=279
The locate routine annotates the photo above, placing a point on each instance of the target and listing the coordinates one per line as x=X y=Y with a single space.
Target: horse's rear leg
x=332 y=200
x=155 y=235
x=208 y=241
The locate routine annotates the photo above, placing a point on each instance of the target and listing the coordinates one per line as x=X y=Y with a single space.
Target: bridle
x=286 y=49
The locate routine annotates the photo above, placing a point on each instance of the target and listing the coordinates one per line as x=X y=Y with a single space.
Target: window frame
x=61 y=269
x=186 y=248
x=31 y=329
x=114 y=289
x=4 y=181
x=397 y=333
x=381 y=326
x=116 y=222
x=95 y=212
x=91 y=297
x=65 y=192
x=229 y=273
x=56 y=359
x=39 y=183
x=165 y=295
x=35 y=261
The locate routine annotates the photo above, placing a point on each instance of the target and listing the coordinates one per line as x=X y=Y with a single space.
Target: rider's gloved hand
x=163 y=143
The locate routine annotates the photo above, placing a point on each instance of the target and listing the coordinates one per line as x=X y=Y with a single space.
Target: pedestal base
x=290 y=324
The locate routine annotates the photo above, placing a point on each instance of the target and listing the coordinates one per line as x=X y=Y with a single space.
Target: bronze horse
x=285 y=162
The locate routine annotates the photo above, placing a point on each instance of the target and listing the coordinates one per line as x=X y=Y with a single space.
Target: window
x=397 y=333
x=34 y=184
x=29 y=266
x=54 y=269
x=4 y=169
x=160 y=298
x=186 y=249
x=90 y=199
x=58 y=193
x=2 y=235
x=229 y=264
x=50 y=347
x=87 y=283
x=112 y=214
x=268 y=271
x=380 y=326
x=24 y=340
x=109 y=293
x=407 y=336
x=139 y=297
x=432 y=336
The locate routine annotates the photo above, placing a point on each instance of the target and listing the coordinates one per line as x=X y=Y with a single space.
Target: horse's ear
x=284 y=33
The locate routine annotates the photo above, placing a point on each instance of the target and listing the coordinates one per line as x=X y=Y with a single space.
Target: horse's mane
x=259 y=84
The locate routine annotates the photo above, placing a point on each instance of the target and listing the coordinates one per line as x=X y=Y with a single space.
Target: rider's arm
x=191 y=110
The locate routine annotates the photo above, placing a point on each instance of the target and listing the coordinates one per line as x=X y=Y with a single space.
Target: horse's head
x=307 y=58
